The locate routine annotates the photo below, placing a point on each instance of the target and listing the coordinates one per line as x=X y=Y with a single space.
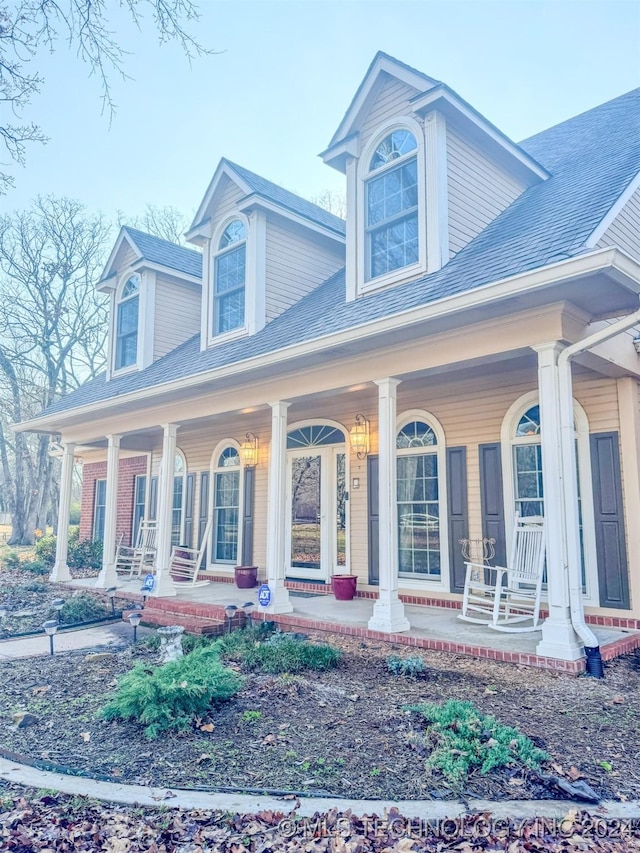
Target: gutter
x=569 y=475
x=486 y=294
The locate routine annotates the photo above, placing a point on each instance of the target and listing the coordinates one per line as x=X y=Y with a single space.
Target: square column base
x=280 y=601
x=108 y=577
x=164 y=587
x=60 y=573
x=388 y=617
x=560 y=641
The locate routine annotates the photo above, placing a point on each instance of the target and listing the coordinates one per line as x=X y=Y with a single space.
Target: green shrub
x=410 y=667
x=83 y=608
x=463 y=739
x=45 y=549
x=171 y=696
x=11 y=561
x=84 y=553
x=290 y=655
x=237 y=645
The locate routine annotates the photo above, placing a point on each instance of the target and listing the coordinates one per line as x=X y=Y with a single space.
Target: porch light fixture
x=636 y=344
x=50 y=627
x=249 y=450
x=359 y=436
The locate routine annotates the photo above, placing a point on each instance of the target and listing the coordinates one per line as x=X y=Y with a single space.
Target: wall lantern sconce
x=249 y=450
x=359 y=436
x=636 y=344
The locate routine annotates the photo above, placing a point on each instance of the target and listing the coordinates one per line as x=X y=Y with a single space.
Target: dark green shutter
x=373 y=486
x=248 y=516
x=492 y=500
x=613 y=577
x=457 y=508
x=189 y=500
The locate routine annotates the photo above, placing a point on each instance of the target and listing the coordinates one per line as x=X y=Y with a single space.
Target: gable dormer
x=425 y=174
x=154 y=288
x=264 y=248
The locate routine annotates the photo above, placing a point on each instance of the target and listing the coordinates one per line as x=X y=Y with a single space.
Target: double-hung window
x=391 y=205
x=127 y=324
x=229 y=279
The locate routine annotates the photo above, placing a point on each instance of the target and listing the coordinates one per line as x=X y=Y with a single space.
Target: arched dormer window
x=229 y=279
x=127 y=323
x=391 y=205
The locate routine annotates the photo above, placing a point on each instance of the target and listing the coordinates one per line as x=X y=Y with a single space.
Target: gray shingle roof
x=278 y=195
x=592 y=157
x=159 y=251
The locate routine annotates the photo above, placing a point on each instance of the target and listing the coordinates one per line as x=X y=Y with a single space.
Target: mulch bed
x=342 y=732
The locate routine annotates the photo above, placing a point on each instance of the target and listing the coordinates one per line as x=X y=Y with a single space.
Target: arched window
x=419 y=540
x=127 y=323
x=179 y=474
x=226 y=505
x=229 y=279
x=391 y=205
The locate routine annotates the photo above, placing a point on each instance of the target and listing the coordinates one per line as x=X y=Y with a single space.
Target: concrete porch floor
x=436 y=628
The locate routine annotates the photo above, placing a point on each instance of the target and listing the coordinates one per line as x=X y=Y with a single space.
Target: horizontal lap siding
x=226 y=201
x=391 y=99
x=295 y=265
x=478 y=189
x=624 y=231
x=177 y=315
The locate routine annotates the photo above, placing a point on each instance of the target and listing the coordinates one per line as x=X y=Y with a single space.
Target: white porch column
x=60 y=570
x=164 y=585
x=388 y=611
x=559 y=640
x=277 y=512
x=108 y=576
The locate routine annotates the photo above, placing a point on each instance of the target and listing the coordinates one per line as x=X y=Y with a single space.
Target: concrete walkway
x=109 y=634
x=141 y=795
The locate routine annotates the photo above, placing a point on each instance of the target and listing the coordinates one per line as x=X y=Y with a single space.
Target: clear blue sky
x=285 y=74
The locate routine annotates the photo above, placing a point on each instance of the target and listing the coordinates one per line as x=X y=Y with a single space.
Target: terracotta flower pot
x=246 y=576
x=344 y=587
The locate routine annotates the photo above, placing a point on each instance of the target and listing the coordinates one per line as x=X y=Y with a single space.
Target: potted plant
x=344 y=587
x=246 y=576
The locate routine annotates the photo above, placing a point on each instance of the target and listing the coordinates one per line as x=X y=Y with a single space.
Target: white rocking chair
x=132 y=561
x=504 y=597
x=185 y=564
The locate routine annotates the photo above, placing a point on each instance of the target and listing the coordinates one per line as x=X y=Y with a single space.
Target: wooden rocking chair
x=504 y=597
x=185 y=563
x=132 y=561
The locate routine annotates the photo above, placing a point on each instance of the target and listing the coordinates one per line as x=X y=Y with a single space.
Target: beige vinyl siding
x=624 y=231
x=392 y=98
x=225 y=201
x=479 y=189
x=125 y=257
x=177 y=315
x=295 y=264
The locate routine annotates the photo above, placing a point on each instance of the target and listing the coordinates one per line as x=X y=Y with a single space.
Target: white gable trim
x=143 y=264
x=224 y=169
x=106 y=280
x=381 y=63
x=254 y=200
x=605 y=223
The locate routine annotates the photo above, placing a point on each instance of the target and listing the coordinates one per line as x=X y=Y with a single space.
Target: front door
x=317 y=512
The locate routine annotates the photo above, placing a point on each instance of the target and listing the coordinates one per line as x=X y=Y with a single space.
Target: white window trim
x=591 y=597
x=146 y=311
x=406 y=417
x=224 y=566
x=364 y=174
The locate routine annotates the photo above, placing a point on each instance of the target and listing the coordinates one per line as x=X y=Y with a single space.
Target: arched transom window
x=418 y=501
x=226 y=506
x=127 y=323
x=391 y=203
x=229 y=279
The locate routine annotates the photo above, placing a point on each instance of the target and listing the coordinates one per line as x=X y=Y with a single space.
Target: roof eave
x=257 y=200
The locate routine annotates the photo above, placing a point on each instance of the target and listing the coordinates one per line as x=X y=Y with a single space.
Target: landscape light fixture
x=249 y=450
x=111 y=592
x=145 y=594
x=50 y=627
x=247 y=607
x=58 y=604
x=359 y=436
x=134 y=619
x=230 y=610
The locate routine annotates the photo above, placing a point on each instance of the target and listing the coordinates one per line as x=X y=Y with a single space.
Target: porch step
x=192 y=624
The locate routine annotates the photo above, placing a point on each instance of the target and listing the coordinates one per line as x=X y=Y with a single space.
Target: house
x=358 y=396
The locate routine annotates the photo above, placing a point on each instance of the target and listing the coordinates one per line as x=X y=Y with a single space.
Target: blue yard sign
x=149 y=582
x=264 y=595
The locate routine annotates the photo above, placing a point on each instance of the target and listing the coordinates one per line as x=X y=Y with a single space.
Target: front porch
x=432 y=627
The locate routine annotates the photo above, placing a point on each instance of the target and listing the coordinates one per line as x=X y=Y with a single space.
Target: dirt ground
x=344 y=732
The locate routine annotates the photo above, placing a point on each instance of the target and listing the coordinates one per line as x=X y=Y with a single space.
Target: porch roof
x=592 y=157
